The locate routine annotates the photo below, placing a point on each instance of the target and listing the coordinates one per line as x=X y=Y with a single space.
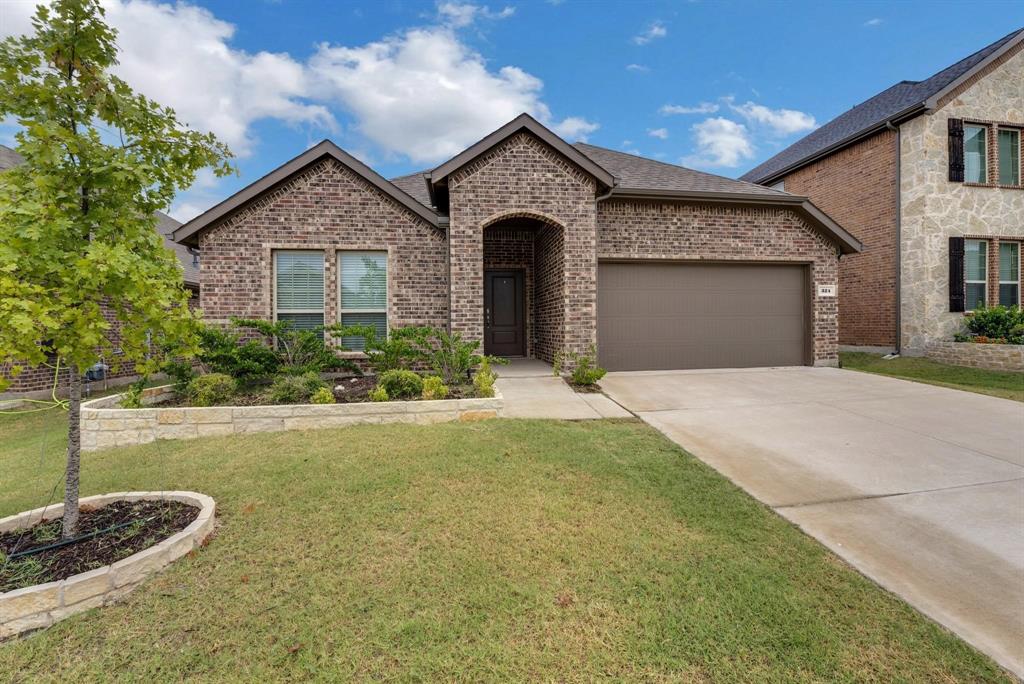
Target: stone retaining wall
x=30 y=608
x=1006 y=357
x=104 y=425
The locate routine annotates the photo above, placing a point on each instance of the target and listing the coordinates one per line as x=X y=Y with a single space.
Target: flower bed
x=105 y=425
x=38 y=606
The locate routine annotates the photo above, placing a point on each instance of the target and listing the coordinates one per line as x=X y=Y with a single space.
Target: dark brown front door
x=504 y=315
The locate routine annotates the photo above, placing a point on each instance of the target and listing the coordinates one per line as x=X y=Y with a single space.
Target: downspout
x=899 y=242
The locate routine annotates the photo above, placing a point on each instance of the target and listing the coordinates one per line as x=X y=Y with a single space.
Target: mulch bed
x=152 y=522
x=584 y=389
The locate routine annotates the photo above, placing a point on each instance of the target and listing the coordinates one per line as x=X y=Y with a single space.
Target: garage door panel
x=666 y=316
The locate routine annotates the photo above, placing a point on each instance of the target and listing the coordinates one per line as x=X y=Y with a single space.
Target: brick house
x=38 y=381
x=533 y=246
x=928 y=175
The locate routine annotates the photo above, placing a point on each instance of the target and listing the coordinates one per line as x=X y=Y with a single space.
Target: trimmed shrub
x=378 y=393
x=996 y=324
x=401 y=384
x=223 y=352
x=295 y=389
x=324 y=395
x=211 y=389
x=434 y=388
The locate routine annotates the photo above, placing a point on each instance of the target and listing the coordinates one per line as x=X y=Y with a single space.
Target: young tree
x=78 y=230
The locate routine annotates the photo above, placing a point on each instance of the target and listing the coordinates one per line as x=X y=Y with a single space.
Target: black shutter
x=956 y=150
x=956 y=274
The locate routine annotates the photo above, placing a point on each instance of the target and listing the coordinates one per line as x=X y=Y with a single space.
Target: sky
x=406 y=84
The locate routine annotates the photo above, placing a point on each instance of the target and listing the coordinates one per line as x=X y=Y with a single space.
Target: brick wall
x=551 y=309
x=857 y=187
x=653 y=230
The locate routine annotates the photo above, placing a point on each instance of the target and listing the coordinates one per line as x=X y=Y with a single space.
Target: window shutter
x=956 y=274
x=956 y=150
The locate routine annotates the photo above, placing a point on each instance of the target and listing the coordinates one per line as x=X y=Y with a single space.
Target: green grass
x=1005 y=384
x=504 y=550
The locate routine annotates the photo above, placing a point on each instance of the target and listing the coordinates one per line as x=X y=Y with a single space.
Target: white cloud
x=660 y=133
x=655 y=30
x=637 y=68
x=873 y=22
x=574 y=129
x=781 y=122
x=462 y=14
x=702 y=108
x=720 y=142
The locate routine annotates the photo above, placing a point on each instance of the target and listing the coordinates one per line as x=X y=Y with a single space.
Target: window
x=1009 y=273
x=974 y=154
x=975 y=273
x=1009 y=157
x=363 y=293
x=299 y=289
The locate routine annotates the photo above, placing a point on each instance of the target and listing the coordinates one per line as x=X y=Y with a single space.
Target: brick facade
x=857 y=187
x=512 y=249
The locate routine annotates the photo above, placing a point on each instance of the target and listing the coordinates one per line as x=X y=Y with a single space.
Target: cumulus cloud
x=702 y=108
x=574 y=128
x=653 y=32
x=660 y=133
x=462 y=14
x=720 y=142
x=780 y=122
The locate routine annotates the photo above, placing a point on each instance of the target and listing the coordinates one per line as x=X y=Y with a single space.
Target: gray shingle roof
x=415 y=186
x=904 y=96
x=9 y=158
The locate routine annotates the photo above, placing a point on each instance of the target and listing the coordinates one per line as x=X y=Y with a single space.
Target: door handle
x=487 y=317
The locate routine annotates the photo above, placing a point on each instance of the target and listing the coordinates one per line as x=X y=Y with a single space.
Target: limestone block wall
x=1008 y=357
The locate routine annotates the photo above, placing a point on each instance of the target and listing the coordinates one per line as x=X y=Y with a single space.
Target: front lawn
x=1003 y=384
x=504 y=550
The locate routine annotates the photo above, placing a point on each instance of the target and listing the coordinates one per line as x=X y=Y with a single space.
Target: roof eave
x=932 y=102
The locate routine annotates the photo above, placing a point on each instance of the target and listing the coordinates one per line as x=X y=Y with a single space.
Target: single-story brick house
x=533 y=246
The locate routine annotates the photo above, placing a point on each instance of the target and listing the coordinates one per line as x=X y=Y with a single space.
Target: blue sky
x=404 y=84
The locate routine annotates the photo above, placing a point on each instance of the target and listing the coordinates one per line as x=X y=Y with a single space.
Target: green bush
x=295 y=389
x=585 y=369
x=211 y=390
x=132 y=396
x=298 y=351
x=181 y=373
x=434 y=388
x=483 y=380
x=324 y=395
x=997 y=323
x=379 y=394
x=401 y=384
x=397 y=351
x=224 y=352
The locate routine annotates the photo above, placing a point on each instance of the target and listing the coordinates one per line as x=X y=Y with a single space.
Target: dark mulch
x=583 y=389
x=151 y=523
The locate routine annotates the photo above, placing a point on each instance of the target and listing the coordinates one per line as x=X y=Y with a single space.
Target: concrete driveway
x=919 y=487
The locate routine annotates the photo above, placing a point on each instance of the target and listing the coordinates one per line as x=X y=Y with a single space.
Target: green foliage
x=298 y=351
x=585 y=370
x=483 y=380
x=401 y=384
x=1000 y=324
x=222 y=351
x=556 y=366
x=378 y=393
x=213 y=389
x=324 y=395
x=396 y=351
x=180 y=372
x=434 y=388
x=295 y=389
x=131 y=398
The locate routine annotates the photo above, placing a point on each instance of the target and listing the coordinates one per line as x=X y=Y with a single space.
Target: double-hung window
x=975 y=154
x=975 y=273
x=1009 y=273
x=299 y=288
x=1009 y=156
x=363 y=293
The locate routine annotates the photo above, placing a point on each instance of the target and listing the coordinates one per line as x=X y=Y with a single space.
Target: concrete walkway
x=531 y=391
x=919 y=487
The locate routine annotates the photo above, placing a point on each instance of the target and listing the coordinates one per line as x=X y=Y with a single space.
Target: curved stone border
x=30 y=608
x=105 y=425
x=1006 y=357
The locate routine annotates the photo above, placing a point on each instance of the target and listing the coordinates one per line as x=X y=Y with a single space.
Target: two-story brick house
x=928 y=175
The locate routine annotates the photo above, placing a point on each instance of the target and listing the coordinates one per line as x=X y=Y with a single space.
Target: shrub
x=132 y=397
x=324 y=395
x=483 y=380
x=401 y=384
x=298 y=351
x=181 y=373
x=378 y=393
x=996 y=324
x=434 y=388
x=211 y=389
x=585 y=369
x=224 y=352
x=295 y=389
x=397 y=351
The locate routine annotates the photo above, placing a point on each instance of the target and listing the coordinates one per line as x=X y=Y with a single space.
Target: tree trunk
x=70 y=524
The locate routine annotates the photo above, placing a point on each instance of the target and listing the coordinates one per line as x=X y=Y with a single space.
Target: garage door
x=664 y=316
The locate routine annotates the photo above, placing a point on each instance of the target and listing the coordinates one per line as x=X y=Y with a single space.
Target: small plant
x=324 y=395
x=556 y=364
x=401 y=384
x=378 y=393
x=397 y=351
x=483 y=380
x=994 y=325
x=295 y=389
x=132 y=397
x=181 y=373
x=247 y=362
x=211 y=389
x=298 y=351
x=434 y=388
x=585 y=370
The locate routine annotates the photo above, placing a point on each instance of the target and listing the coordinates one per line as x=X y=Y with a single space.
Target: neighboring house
x=928 y=175
x=534 y=247
x=39 y=380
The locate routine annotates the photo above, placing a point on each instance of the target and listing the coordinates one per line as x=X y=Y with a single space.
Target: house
x=38 y=381
x=928 y=175
x=534 y=247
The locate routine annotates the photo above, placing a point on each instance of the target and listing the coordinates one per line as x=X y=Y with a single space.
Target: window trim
x=984 y=160
x=387 y=286
x=275 y=298
x=1000 y=282
x=984 y=271
x=1020 y=161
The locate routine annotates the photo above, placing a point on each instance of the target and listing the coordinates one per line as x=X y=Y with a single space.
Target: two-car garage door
x=657 y=316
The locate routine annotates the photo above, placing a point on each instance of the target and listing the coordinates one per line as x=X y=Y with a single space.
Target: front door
x=504 y=314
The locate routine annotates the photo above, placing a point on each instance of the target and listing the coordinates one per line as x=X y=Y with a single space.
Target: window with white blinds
x=299 y=288
x=363 y=293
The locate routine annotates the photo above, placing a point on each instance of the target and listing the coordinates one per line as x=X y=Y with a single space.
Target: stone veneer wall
x=523 y=177
x=676 y=231
x=1007 y=357
x=512 y=249
x=933 y=209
